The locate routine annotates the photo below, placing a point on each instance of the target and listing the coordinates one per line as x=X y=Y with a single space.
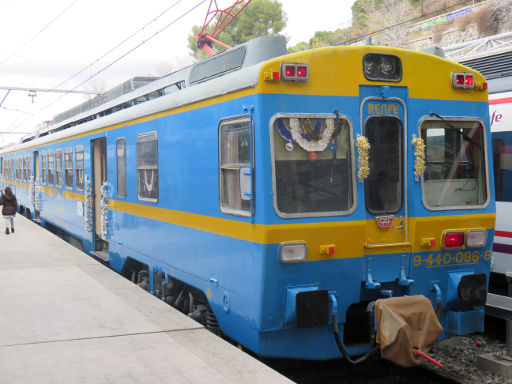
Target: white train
x=497 y=68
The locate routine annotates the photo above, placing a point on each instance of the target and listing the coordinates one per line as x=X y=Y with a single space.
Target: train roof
x=238 y=67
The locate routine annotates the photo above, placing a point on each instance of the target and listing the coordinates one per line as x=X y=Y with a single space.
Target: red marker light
x=453 y=239
x=459 y=80
x=289 y=71
x=469 y=80
x=302 y=71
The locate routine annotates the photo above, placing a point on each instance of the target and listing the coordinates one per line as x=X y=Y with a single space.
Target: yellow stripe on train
x=347 y=236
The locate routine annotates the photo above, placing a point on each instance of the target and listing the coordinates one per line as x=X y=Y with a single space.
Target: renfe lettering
x=496 y=117
x=383 y=109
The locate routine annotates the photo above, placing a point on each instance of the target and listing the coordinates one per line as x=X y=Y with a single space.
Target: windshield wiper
x=465 y=137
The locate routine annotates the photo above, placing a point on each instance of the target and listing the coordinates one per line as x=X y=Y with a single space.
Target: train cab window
x=121 y=167
x=43 y=168
x=147 y=167
x=79 y=168
x=51 y=169
x=68 y=167
x=312 y=165
x=58 y=168
x=234 y=152
x=456 y=171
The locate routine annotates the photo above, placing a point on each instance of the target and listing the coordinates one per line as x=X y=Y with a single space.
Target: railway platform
x=66 y=318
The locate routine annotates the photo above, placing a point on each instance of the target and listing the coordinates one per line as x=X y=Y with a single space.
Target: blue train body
x=225 y=266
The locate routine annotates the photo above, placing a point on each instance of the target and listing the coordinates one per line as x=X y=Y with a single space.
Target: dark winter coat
x=8 y=200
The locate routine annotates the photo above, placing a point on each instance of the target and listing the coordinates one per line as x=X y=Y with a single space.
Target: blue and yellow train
x=276 y=197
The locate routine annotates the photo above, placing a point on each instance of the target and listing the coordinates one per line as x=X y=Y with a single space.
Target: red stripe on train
x=505 y=100
x=503 y=234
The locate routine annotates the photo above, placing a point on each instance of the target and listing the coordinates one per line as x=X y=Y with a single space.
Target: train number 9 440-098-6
x=450 y=258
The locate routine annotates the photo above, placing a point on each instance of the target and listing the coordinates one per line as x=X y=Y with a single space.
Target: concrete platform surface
x=66 y=318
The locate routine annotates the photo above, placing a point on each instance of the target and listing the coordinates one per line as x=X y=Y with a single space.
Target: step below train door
x=387 y=250
x=99 y=169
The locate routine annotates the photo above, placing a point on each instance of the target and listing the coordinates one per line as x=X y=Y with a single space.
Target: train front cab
x=380 y=190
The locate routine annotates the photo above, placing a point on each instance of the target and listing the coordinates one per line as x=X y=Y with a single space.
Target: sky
x=93 y=45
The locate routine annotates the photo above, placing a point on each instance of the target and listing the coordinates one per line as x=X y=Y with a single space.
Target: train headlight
x=295 y=252
x=476 y=238
x=381 y=67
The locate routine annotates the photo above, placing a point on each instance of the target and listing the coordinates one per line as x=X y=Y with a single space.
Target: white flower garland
x=312 y=146
x=87 y=204
x=105 y=224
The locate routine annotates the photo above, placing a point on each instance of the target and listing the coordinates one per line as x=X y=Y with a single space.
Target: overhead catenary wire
x=119 y=44
x=12 y=128
x=15 y=52
x=128 y=52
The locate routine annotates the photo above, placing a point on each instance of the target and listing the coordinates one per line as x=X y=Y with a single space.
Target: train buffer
x=66 y=318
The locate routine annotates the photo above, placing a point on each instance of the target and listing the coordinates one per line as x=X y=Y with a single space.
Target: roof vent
x=218 y=65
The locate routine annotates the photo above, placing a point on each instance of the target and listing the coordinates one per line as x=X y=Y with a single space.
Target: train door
x=384 y=126
x=37 y=175
x=37 y=170
x=99 y=169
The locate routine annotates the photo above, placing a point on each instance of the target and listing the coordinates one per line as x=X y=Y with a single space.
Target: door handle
x=401 y=226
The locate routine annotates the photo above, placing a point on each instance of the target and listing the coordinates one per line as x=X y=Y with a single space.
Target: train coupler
x=405 y=325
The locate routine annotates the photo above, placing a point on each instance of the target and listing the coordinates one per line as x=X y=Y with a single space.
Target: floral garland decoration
x=419 y=156
x=106 y=217
x=308 y=133
x=87 y=204
x=363 y=149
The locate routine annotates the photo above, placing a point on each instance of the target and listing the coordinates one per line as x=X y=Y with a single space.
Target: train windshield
x=455 y=173
x=312 y=165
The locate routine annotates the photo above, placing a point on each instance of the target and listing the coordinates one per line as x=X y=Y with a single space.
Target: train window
x=29 y=168
x=51 y=169
x=79 y=168
x=147 y=167
x=502 y=165
x=43 y=168
x=383 y=187
x=456 y=171
x=68 y=167
x=234 y=152
x=58 y=168
x=312 y=165
x=25 y=168
x=121 y=167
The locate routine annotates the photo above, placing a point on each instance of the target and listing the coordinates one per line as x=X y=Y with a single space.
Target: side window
x=25 y=164
x=29 y=167
x=79 y=168
x=43 y=168
x=68 y=167
x=234 y=153
x=121 y=167
x=58 y=168
x=51 y=169
x=147 y=167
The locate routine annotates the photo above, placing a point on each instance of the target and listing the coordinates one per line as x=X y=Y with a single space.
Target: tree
x=259 y=18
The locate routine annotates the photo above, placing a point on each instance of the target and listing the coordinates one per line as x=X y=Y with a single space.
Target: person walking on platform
x=8 y=200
